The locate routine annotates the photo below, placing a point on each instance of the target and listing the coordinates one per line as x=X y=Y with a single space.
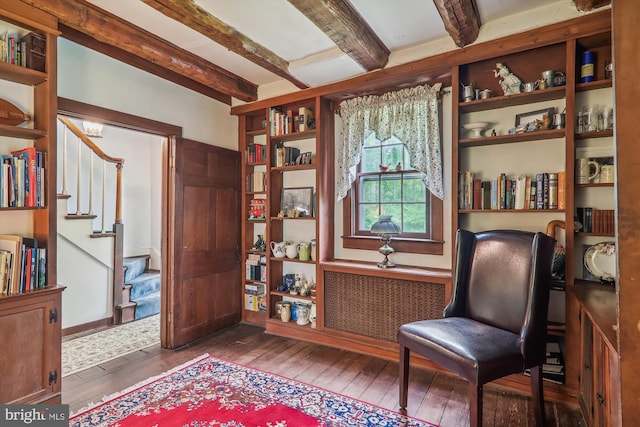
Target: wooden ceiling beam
x=587 y=5
x=109 y=29
x=342 y=23
x=461 y=20
x=187 y=12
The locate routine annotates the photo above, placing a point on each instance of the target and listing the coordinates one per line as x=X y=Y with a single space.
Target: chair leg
x=404 y=378
x=537 y=395
x=475 y=405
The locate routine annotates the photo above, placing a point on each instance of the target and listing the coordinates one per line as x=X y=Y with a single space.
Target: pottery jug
x=277 y=249
x=285 y=311
x=291 y=250
x=303 y=314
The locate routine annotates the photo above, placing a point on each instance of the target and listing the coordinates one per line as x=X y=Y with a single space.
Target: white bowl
x=476 y=128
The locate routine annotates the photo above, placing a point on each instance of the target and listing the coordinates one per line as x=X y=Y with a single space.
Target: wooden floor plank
x=437 y=397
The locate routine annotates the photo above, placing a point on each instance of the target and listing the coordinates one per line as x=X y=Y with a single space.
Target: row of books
x=256 y=182
x=23 y=265
x=256 y=153
x=22 y=179
x=285 y=156
x=553 y=369
x=542 y=191
x=599 y=221
x=28 y=51
x=256 y=268
x=284 y=122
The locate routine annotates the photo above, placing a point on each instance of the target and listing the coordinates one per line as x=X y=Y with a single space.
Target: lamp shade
x=384 y=226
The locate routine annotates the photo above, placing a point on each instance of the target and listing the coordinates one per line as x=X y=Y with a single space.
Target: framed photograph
x=299 y=198
x=532 y=116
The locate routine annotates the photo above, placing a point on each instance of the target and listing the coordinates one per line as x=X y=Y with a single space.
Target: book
x=304 y=117
x=562 y=198
x=13 y=245
x=29 y=175
x=553 y=191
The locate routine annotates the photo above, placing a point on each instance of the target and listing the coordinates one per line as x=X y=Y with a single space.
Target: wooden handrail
x=119 y=162
x=89 y=143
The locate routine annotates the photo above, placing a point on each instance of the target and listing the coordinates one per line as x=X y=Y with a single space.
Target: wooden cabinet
x=599 y=382
x=281 y=158
x=30 y=333
x=30 y=322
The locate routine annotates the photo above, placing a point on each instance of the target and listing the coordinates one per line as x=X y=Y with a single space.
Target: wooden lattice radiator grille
x=376 y=306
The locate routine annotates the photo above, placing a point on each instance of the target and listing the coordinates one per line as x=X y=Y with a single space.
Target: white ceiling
x=402 y=25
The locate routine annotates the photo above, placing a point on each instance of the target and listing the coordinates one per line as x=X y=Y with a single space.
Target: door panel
x=204 y=288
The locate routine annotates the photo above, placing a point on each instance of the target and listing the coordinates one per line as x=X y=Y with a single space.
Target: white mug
x=583 y=170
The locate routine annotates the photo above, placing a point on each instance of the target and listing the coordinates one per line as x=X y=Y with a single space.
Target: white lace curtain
x=411 y=115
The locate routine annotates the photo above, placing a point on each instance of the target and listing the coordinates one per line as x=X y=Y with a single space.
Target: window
x=387 y=184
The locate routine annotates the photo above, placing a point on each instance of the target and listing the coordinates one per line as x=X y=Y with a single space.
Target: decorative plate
x=600 y=260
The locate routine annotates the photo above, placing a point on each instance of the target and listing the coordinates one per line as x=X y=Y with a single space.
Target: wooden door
x=203 y=260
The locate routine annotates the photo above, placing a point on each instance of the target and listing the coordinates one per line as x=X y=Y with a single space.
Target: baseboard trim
x=87 y=326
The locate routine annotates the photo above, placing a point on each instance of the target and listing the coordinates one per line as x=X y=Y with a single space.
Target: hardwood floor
x=433 y=396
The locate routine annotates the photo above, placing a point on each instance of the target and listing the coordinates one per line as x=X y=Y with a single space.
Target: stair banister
x=64 y=163
x=119 y=162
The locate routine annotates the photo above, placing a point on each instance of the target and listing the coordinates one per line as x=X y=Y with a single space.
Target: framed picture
x=299 y=199
x=532 y=116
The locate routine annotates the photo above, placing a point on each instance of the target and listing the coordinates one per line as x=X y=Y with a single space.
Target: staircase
x=142 y=289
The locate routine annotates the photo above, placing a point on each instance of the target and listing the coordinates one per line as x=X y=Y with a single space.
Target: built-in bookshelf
x=30 y=294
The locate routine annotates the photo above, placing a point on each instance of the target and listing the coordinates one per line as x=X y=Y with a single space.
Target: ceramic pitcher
x=277 y=249
x=291 y=250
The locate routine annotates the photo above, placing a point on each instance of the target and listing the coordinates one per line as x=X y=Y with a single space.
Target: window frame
x=351 y=239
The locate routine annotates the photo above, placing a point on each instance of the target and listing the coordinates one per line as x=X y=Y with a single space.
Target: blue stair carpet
x=145 y=287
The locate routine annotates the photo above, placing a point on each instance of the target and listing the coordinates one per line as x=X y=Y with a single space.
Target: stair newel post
x=64 y=161
x=78 y=182
x=104 y=192
x=119 y=192
x=91 y=183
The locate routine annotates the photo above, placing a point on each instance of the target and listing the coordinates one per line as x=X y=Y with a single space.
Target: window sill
x=412 y=246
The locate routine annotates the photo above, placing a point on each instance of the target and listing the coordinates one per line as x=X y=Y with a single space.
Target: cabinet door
x=31 y=345
x=586 y=366
x=605 y=399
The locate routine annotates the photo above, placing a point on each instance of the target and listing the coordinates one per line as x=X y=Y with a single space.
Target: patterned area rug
x=211 y=392
x=91 y=350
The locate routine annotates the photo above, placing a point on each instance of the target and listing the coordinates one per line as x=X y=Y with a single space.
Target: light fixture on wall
x=92 y=129
x=386 y=229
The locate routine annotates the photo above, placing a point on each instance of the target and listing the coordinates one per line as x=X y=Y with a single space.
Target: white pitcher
x=291 y=250
x=277 y=249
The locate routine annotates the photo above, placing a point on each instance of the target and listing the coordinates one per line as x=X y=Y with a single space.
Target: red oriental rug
x=211 y=392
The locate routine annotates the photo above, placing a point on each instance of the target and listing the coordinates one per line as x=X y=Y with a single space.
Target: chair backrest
x=502 y=278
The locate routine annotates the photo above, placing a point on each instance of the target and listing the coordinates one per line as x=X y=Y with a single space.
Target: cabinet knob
x=601 y=399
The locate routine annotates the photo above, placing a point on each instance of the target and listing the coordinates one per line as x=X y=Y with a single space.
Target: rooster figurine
x=399 y=166
x=383 y=168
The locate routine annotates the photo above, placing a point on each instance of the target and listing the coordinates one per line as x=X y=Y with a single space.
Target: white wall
x=93 y=78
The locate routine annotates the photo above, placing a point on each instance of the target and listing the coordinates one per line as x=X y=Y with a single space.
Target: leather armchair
x=496 y=322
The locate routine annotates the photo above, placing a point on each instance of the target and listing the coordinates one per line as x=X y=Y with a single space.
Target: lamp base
x=386 y=264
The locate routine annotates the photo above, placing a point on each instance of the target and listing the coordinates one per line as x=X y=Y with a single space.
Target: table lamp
x=385 y=228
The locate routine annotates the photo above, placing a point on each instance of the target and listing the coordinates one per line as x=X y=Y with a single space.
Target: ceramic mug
x=304 y=251
x=606 y=173
x=531 y=86
x=583 y=170
x=303 y=314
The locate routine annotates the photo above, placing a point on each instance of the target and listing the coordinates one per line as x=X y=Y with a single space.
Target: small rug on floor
x=91 y=350
x=210 y=392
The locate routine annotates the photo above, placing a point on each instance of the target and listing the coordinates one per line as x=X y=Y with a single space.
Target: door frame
x=81 y=110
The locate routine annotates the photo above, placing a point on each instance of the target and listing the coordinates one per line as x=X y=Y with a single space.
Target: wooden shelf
x=596 y=134
x=18 y=132
x=257 y=132
x=596 y=184
x=21 y=75
x=256 y=164
x=293 y=168
x=287 y=294
x=521 y=211
x=287 y=259
x=512 y=100
x=295 y=136
x=596 y=84
x=286 y=218
x=508 y=139
x=581 y=233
